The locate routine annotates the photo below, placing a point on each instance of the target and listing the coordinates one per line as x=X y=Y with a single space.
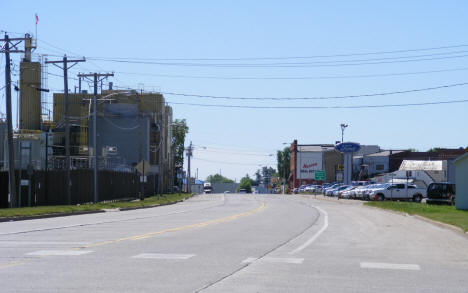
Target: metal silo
x=30 y=96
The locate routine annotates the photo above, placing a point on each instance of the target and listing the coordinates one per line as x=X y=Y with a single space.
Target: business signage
x=320 y=175
x=348 y=147
x=307 y=164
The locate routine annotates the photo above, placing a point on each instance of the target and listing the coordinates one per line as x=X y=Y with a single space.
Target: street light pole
x=343 y=127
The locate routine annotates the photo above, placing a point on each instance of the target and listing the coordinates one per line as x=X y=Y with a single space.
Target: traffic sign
x=143 y=167
x=320 y=175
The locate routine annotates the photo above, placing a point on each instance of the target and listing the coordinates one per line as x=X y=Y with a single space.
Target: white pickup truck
x=400 y=191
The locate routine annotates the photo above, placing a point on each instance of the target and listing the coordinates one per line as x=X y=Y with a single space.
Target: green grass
x=63 y=209
x=442 y=213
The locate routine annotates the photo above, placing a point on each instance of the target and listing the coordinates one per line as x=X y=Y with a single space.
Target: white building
x=461 y=181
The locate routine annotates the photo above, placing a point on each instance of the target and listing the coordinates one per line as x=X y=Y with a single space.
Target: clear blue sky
x=243 y=138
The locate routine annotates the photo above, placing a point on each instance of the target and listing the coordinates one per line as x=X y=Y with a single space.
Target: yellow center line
x=181 y=228
x=150 y=234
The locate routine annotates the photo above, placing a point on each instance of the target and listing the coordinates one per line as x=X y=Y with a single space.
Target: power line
x=320 y=98
x=293 y=57
x=227 y=163
x=216 y=77
x=321 y=107
x=277 y=65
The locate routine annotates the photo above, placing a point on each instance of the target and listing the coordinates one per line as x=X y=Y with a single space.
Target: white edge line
x=389 y=266
x=316 y=235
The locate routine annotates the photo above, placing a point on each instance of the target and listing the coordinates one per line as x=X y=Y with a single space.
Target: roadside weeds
x=29 y=213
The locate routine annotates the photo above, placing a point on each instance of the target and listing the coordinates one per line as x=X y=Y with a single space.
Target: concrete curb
x=44 y=216
x=340 y=201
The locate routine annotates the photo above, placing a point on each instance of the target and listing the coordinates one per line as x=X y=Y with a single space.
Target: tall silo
x=30 y=96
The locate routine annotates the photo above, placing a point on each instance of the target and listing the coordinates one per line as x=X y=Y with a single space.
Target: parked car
x=364 y=193
x=328 y=189
x=398 y=191
x=348 y=192
x=337 y=191
x=443 y=192
x=358 y=192
x=242 y=190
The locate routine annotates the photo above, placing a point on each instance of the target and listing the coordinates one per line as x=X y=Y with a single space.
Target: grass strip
x=441 y=213
x=66 y=209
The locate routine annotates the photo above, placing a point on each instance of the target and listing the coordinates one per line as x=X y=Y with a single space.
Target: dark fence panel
x=49 y=188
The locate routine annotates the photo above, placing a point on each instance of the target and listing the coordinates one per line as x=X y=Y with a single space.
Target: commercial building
x=307 y=159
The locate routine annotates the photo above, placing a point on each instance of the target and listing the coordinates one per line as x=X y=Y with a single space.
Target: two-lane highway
x=233 y=243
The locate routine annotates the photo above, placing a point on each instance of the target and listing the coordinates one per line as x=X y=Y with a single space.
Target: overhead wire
x=321 y=107
x=278 y=65
x=297 y=57
x=217 y=77
x=320 y=98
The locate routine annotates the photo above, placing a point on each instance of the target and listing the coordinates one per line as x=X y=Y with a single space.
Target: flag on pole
x=37 y=19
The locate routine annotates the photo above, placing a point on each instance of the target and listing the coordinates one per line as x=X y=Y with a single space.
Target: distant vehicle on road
x=398 y=191
x=207 y=188
x=242 y=190
x=443 y=192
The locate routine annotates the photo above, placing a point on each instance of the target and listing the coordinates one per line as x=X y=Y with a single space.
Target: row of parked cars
x=435 y=192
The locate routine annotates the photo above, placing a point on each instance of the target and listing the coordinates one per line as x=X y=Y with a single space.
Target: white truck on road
x=399 y=191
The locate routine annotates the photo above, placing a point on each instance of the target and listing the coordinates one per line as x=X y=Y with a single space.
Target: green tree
x=218 y=178
x=179 y=131
x=434 y=150
x=246 y=183
x=283 y=159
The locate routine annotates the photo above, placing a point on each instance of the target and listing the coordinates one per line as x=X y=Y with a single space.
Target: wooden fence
x=49 y=188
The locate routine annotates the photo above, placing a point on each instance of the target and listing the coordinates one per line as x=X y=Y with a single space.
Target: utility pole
x=140 y=146
x=161 y=149
x=189 y=155
x=13 y=42
x=95 y=76
x=79 y=83
x=65 y=68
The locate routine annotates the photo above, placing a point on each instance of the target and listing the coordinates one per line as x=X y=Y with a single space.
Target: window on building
x=379 y=167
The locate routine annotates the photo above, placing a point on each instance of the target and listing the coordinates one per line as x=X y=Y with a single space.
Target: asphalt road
x=234 y=243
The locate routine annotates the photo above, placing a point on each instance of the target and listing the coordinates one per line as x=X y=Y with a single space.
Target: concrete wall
x=331 y=159
x=462 y=183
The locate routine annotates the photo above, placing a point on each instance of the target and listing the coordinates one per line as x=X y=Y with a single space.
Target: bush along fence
x=49 y=188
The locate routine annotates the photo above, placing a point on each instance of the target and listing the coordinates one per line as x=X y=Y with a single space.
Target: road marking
x=316 y=235
x=389 y=266
x=15 y=242
x=181 y=228
x=289 y=260
x=249 y=260
x=11 y=264
x=164 y=256
x=58 y=252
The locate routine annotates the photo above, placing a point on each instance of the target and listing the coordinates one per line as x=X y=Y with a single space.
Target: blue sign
x=348 y=147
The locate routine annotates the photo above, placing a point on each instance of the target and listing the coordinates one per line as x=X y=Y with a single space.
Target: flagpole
x=37 y=20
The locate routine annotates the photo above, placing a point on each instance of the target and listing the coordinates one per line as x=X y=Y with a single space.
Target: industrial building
x=131 y=127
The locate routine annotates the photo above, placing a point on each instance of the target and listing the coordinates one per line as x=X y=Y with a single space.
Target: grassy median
x=442 y=213
x=66 y=209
